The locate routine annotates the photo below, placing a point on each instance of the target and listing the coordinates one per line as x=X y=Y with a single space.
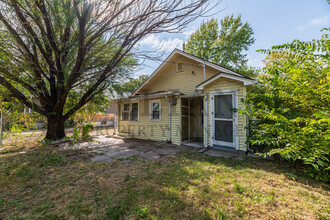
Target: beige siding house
x=188 y=101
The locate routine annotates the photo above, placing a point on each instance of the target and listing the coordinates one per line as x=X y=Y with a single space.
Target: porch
x=210 y=120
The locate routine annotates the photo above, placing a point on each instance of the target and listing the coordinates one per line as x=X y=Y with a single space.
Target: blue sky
x=274 y=22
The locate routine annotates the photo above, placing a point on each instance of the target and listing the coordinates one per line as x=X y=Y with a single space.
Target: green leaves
x=223 y=43
x=291 y=111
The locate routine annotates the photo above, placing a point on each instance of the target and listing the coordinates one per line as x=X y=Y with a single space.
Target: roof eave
x=246 y=82
x=197 y=59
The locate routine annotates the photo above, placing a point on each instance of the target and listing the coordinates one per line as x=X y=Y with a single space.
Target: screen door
x=223 y=120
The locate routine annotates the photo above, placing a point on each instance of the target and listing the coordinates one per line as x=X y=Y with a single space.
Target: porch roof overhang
x=246 y=81
x=193 y=95
x=156 y=95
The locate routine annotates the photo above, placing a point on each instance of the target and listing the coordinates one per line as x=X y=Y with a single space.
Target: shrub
x=290 y=110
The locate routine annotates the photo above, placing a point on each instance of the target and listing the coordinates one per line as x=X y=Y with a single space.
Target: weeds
x=45 y=183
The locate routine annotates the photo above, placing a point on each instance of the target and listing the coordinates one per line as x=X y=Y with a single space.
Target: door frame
x=232 y=92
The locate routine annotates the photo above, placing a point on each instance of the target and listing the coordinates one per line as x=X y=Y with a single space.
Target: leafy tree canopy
x=223 y=43
x=291 y=110
x=67 y=52
x=130 y=86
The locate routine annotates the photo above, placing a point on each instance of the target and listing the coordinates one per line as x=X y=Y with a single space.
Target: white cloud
x=254 y=62
x=188 y=33
x=161 y=45
x=316 y=22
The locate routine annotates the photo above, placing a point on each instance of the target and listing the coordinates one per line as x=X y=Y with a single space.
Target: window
x=126 y=112
x=131 y=112
x=135 y=112
x=179 y=66
x=155 y=111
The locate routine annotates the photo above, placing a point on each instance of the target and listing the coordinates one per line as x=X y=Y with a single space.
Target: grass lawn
x=39 y=182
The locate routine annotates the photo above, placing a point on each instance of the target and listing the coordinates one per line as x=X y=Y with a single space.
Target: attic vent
x=179 y=66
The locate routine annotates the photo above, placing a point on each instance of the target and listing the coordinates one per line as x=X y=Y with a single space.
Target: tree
x=291 y=110
x=130 y=86
x=222 y=43
x=56 y=48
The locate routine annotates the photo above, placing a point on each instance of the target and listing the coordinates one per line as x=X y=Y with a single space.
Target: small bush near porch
x=42 y=182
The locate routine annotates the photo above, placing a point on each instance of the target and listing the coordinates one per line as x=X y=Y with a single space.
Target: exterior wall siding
x=147 y=129
x=168 y=79
x=228 y=84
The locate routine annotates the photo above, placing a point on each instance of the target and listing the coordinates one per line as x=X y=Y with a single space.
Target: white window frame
x=151 y=110
x=129 y=110
x=177 y=65
x=138 y=114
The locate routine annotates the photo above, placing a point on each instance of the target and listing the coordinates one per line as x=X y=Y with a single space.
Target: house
x=188 y=101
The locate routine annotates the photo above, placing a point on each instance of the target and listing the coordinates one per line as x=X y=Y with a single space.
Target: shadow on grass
x=46 y=183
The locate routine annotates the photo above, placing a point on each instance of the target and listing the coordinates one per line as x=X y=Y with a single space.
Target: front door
x=223 y=122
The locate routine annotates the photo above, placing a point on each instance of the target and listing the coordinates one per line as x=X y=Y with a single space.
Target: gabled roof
x=222 y=70
x=246 y=81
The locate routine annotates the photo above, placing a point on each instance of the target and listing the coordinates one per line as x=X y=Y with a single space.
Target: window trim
x=177 y=65
x=138 y=111
x=151 y=110
x=130 y=111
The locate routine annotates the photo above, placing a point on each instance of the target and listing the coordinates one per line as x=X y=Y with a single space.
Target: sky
x=274 y=22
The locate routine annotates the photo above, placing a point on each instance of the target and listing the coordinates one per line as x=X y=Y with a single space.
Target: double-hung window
x=135 y=112
x=155 y=113
x=126 y=112
x=130 y=112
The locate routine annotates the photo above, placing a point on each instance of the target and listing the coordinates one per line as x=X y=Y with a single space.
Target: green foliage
x=86 y=129
x=142 y=213
x=76 y=132
x=222 y=214
x=14 y=119
x=223 y=43
x=130 y=86
x=82 y=129
x=239 y=188
x=290 y=112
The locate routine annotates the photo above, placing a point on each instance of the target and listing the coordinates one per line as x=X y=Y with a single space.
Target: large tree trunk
x=55 y=128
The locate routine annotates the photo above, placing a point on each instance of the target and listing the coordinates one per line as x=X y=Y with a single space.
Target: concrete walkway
x=110 y=148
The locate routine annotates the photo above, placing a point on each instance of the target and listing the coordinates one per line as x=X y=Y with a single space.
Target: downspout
x=205 y=123
x=169 y=119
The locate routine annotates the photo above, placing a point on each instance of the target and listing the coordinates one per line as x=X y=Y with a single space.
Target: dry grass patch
x=42 y=182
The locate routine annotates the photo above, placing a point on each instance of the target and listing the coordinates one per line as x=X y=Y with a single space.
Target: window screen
x=223 y=106
x=224 y=131
x=155 y=111
x=135 y=112
x=126 y=112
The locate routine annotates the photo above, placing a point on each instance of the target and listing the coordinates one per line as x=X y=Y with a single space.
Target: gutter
x=148 y=96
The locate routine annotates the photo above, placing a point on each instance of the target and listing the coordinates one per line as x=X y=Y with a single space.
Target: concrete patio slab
x=101 y=158
x=123 y=153
x=226 y=154
x=111 y=148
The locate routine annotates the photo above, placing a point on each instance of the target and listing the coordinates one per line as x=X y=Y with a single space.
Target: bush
x=84 y=128
x=290 y=110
